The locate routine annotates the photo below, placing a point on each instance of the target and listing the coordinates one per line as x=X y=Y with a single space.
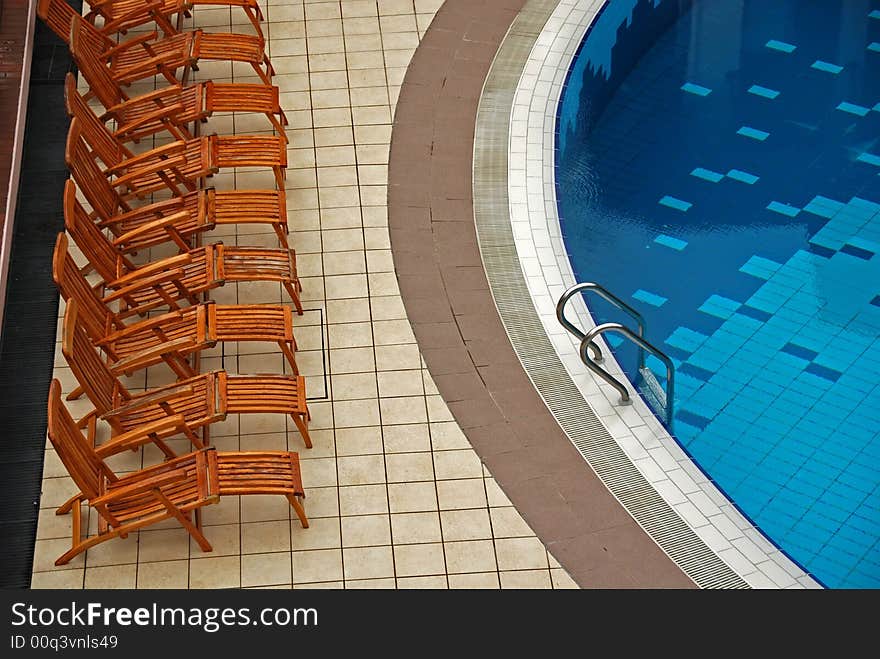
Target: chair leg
x=299 y=420
x=287 y=349
x=298 y=508
x=294 y=295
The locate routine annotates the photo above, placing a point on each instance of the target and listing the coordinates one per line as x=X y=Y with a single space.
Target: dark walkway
x=27 y=342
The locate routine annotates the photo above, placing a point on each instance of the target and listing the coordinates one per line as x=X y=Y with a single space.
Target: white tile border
x=547 y=270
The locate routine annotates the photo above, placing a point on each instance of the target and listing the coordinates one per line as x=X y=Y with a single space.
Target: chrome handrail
x=610 y=297
x=642 y=343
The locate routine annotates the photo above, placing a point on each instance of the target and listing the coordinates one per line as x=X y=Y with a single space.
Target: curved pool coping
x=440 y=266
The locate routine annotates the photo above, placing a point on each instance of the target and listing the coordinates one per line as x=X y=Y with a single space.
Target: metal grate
x=530 y=341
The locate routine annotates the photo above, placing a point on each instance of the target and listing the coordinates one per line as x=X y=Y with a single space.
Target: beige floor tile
x=522 y=579
x=470 y=524
x=359 y=441
x=423 y=583
x=363 y=499
x=265 y=569
x=349 y=335
x=117 y=551
x=341 y=312
x=352 y=360
x=437 y=409
x=409 y=528
x=470 y=556
x=164 y=545
x=361 y=470
x=324 y=585
x=400 y=383
x=262 y=537
x=224 y=512
x=495 y=495
x=215 y=572
x=457 y=464
x=355 y=8
x=521 y=554
x=408 y=467
x=447 y=435
x=416 y=560
x=406 y=438
x=67 y=579
x=356 y=413
x=371 y=584
x=321 y=502
x=367 y=563
x=225 y=540
x=412 y=497
x=320 y=566
x=167 y=574
x=403 y=410
x=353 y=386
x=392 y=332
x=344 y=263
x=397 y=357
x=342 y=287
x=561 y=580
x=366 y=531
x=479 y=580
x=264 y=507
x=322 y=10
x=323 y=533
x=508 y=523
x=112 y=576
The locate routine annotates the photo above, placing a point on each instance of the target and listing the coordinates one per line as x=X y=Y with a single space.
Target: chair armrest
x=175 y=148
x=155 y=397
x=129 y=43
x=147 y=227
x=171 y=263
x=144 y=485
x=150 y=354
x=139 y=436
x=158 y=209
x=171 y=92
x=133 y=17
x=140 y=284
x=158 y=166
x=159 y=114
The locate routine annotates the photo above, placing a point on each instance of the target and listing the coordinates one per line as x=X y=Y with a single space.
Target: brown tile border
x=452 y=311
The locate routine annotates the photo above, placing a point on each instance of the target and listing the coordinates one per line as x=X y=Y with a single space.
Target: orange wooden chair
x=200 y=400
x=185 y=163
x=164 y=12
x=147 y=55
x=182 y=219
x=179 y=110
x=178 y=488
x=175 y=337
x=170 y=281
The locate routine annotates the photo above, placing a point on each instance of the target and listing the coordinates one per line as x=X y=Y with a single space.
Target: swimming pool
x=725 y=183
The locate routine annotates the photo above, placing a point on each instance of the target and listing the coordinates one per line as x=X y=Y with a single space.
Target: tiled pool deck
x=396 y=494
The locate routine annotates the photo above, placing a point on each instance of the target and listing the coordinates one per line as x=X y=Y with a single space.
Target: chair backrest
x=95 y=133
x=82 y=463
x=99 y=251
x=103 y=199
x=60 y=16
x=92 y=68
x=74 y=286
x=100 y=384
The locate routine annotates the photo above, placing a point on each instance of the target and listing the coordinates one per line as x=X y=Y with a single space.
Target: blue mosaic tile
x=649 y=298
x=858 y=252
x=760 y=267
x=765 y=92
x=874 y=46
x=852 y=108
x=869 y=158
x=783 y=209
x=707 y=174
x=826 y=66
x=742 y=177
x=692 y=88
x=824 y=372
x=677 y=204
x=799 y=351
x=754 y=133
x=780 y=46
x=669 y=241
x=757 y=314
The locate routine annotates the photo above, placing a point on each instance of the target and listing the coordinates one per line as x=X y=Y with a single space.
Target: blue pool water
x=726 y=182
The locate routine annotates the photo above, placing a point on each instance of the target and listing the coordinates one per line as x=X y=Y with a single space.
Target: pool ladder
x=663 y=400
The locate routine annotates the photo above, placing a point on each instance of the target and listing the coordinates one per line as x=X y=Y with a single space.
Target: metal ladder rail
x=643 y=344
x=610 y=297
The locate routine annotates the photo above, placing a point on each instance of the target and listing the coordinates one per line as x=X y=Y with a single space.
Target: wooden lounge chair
x=184 y=332
x=165 y=12
x=200 y=400
x=147 y=55
x=178 y=488
x=185 y=163
x=182 y=219
x=185 y=278
x=179 y=110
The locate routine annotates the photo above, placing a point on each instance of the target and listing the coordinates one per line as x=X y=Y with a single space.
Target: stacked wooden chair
x=141 y=175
